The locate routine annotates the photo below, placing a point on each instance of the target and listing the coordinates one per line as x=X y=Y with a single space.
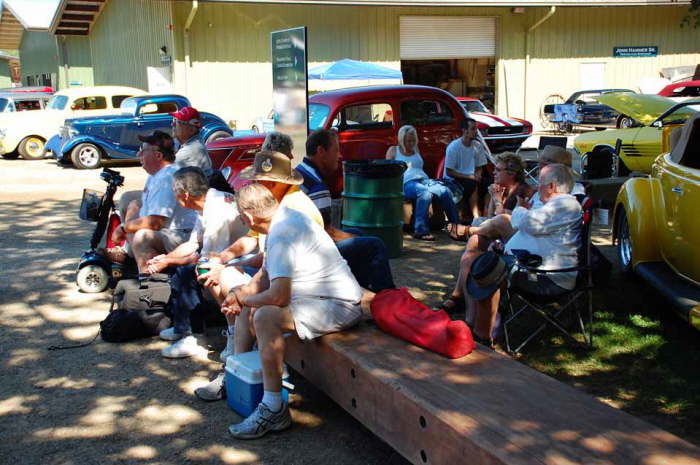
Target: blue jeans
x=185 y=297
x=368 y=260
x=423 y=191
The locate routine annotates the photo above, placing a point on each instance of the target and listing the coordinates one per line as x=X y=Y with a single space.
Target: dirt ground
x=124 y=403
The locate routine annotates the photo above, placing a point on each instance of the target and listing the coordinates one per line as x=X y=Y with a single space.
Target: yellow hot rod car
x=657 y=225
x=649 y=120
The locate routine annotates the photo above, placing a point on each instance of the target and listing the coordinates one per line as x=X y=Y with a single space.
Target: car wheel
x=31 y=148
x=11 y=155
x=255 y=129
x=92 y=279
x=624 y=242
x=625 y=122
x=217 y=135
x=86 y=156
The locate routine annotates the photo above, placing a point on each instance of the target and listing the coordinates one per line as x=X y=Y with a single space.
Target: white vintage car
x=25 y=133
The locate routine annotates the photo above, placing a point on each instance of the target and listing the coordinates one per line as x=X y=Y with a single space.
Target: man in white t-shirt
x=303 y=286
x=158 y=224
x=218 y=225
x=464 y=158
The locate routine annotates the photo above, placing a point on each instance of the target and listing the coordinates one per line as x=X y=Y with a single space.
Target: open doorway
x=463 y=77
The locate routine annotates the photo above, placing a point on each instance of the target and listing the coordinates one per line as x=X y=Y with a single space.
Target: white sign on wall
x=592 y=76
x=159 y=80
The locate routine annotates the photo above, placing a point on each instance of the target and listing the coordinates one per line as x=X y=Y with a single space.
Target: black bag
x=138 y=309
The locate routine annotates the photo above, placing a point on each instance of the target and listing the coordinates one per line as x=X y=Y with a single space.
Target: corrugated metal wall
x=38 y=54
x=75 y=62
x=230 y=44
x=126 y=38
x=576 y=36
x=5 y=76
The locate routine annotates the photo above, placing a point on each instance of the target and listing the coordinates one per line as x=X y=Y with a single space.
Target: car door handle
x=677 y=190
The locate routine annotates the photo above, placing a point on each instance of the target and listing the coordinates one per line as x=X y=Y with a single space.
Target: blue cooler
x=244 y=383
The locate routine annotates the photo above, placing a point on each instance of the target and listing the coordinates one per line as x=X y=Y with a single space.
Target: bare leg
x=498 y=227
x=476 y=245
x=270 y=324
x=243 y=338
x=146 y=244
x=486 y=311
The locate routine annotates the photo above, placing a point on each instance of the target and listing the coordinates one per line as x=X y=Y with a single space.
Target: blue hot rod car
x=85 y=142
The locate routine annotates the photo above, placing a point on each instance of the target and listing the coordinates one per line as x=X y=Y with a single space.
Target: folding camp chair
x=519 y=303
x=531 y=165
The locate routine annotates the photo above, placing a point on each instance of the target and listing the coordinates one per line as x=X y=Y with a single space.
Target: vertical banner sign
x=289 y=86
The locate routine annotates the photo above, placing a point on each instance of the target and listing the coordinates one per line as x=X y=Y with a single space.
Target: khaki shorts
x=170 y=238
x=316 y=316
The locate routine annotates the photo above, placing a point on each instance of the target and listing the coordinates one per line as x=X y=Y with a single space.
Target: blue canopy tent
x=351 y=73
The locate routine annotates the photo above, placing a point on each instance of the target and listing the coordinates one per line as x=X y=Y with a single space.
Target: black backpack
x=138 y=309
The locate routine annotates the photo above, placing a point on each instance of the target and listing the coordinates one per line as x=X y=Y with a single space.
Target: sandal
x=459 y=232
x=425 y=237
x=453 y=304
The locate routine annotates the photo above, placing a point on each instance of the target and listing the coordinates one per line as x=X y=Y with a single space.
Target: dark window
x=89 y=103
x=425 y=112
x=365 y=116
x=117 y=100
x=22 y=105
x=691 y=156
x=30 y=80
x=690 y=91
x=46 y=80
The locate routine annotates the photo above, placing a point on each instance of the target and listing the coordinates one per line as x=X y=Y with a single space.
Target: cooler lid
x=247 y=367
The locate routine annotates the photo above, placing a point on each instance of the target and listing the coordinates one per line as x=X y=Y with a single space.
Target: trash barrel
x=373 y=200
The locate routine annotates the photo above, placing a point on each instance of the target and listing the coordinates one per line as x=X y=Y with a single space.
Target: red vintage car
x=501 y=133
x=680 y=91
x=367 y=120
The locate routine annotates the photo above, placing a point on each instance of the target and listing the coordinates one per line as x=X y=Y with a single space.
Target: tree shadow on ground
x=123 y=403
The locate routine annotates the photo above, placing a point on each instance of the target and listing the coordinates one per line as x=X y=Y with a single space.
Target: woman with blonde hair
x=418 y=186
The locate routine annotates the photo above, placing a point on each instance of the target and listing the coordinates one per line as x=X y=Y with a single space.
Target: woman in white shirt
x=418 y=186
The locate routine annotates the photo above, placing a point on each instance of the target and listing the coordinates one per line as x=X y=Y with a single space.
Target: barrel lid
x=374 y=168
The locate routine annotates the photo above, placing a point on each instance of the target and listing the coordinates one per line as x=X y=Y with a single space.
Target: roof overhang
x=76 y=17
x=481 y=3
x=11 y=28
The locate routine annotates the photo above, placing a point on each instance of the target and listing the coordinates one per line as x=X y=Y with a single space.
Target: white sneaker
x=185 y=347
x=261 y=421
x=170 y=335
x=229 y=350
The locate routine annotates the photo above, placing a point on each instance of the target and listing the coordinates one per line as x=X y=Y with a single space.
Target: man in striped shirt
x=367 y=256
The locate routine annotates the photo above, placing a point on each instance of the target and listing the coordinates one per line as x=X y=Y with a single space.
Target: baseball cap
x=555 y=154
x=188 y=115
x=160 y=139
x=272 y=166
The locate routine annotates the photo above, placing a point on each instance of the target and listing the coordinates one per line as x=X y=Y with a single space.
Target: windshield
x=3 y=104
x=474 y=105
x=318 y=113
x=57 y=102
x=128 y=106
x=681 y=114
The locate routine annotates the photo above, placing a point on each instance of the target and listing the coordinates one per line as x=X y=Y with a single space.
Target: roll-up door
x=432 y=37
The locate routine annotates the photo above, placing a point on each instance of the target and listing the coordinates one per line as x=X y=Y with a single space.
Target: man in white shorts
x=217 y=226
x=159 y=225
x=303 y=286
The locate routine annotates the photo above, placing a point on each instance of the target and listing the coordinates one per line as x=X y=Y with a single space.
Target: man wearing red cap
x=192 y=152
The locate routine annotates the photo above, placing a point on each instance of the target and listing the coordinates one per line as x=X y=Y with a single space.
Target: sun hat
x=556 y=154
x=188 y=115
x=272 y=166
x=487 y=273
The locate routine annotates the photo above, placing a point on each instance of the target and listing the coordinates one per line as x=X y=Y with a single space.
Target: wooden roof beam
x=77 y=17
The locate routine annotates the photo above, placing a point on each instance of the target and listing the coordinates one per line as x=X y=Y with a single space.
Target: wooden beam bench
x=483 y=409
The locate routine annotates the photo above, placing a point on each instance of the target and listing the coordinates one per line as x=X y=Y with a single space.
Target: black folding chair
x=531 y=165
x=519 y=303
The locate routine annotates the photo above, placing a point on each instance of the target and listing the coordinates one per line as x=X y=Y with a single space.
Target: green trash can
x=373 y=200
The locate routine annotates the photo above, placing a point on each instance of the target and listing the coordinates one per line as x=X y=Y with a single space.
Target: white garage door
x=431 y=37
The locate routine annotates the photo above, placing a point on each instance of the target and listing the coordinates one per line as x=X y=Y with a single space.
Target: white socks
x=273 y=400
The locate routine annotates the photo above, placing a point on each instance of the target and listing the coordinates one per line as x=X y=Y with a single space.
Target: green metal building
x=513 y=55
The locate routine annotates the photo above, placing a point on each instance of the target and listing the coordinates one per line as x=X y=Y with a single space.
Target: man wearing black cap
x=158 y=224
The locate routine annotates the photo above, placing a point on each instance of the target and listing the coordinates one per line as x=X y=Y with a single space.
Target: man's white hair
x=256 y=200
x=558 y=174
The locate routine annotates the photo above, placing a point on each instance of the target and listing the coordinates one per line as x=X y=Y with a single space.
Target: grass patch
x=645 y=360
